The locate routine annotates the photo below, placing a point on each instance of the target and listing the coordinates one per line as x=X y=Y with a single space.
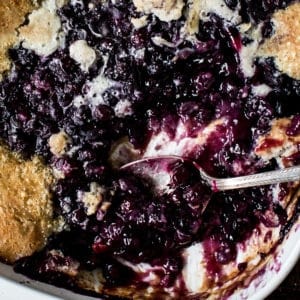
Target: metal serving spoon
x=152 y=166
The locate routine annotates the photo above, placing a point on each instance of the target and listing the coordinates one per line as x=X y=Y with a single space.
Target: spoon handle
x=265 y=178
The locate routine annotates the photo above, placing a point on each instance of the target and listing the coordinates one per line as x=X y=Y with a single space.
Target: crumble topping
x=12 y=14
x=41 y=34
x=201 y=9
x=139 y=22
x=220 y=8
x=83 y=54
x=165 y=10
x=26 y=213
x=93 y=198
x=58 y=143
x=284 y=44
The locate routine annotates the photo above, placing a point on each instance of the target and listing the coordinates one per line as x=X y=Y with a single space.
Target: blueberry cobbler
x=90 y=85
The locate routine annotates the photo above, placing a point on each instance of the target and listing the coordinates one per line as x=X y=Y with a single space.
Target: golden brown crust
x=25 y=206
x=12 y=15
x=284 y=45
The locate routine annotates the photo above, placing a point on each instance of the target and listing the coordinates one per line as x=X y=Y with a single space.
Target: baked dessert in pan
x=88 y=86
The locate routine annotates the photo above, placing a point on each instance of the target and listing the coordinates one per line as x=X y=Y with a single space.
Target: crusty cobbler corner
x=12 y=15
x=284 y=43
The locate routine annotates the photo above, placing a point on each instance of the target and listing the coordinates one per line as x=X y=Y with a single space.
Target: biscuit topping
x=139 y=22
x=58 y=143
x=165 y=10
x=93 y=198
x=41 y=34
x=284 y=44
x=12 y=14
x=83 y=54
x=25 y=206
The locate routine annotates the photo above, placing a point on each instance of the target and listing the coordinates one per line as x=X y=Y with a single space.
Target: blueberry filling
x=162 y=83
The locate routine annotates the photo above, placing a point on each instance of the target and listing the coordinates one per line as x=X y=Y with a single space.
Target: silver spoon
x=155 y=168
